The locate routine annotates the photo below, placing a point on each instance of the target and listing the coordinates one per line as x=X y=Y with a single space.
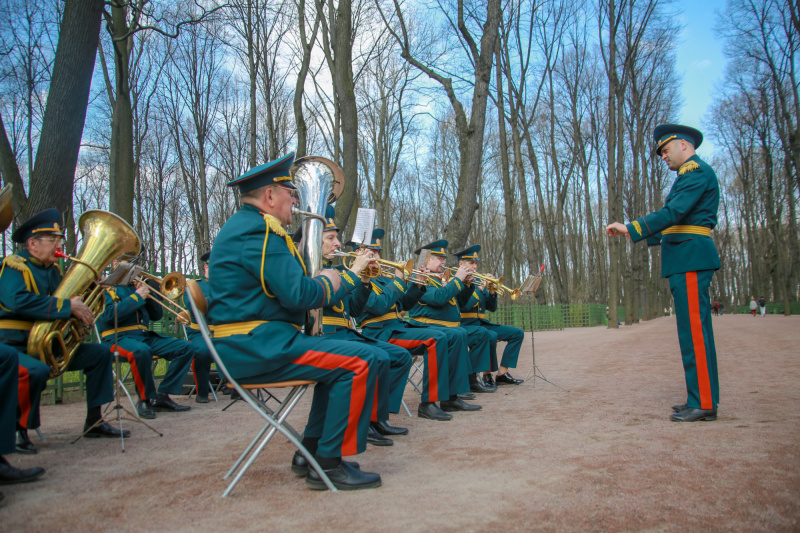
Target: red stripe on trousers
x=701 y=365
x=24 y=396
x=358 y=394
x=137 y=377
x=432 y=363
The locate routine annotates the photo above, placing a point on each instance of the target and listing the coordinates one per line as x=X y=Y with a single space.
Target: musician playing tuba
x=260 y=295
x=135 y=307
x=27 y=280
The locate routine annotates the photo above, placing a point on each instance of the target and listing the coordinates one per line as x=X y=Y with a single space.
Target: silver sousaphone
x=319 y=182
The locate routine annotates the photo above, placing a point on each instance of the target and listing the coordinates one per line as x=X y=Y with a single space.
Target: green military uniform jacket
x=474 y=304
x=347 y=302
x=259 y=292
x=134 y=313
x=438 y=306
x=389 y=296
x=26 y=286
x=682 y=227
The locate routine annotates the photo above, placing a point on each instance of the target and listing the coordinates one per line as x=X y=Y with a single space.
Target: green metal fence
x=530 y=317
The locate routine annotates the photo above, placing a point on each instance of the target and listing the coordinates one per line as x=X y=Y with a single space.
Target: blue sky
x=700 y=61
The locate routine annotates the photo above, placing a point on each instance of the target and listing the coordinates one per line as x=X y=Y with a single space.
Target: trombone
x=380 y=272
x=170 y=289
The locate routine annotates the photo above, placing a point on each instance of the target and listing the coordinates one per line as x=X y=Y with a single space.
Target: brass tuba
x=6 y=208
x=105 y=237
x=319 y=181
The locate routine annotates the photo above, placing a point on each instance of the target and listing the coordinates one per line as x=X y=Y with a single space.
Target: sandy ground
x=602 y=457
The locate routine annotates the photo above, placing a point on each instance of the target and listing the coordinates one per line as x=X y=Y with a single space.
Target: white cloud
x=701 y=65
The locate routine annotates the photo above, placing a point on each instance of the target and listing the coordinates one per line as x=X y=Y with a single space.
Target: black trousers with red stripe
x=9 y=378
x=696 y=336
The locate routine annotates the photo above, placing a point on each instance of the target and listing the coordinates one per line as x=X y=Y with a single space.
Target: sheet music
x=365 y=221
x=530 y=285
x=423 y=258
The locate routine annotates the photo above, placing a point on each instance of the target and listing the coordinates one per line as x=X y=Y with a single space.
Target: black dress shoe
x=678 y=408
x=344 y=477
x=376 y=439
x=300 y=465
x=431 y=411
x=165 y=403
x=507 y=379
x=690 y=414
x=201 y=398
x=477 y=386
x=24 y=444
x=385 y=429
x=145 y=410
x=10 y=475
x=459 y=405
x=103 y=430
x=489 y=381
x=467 y=396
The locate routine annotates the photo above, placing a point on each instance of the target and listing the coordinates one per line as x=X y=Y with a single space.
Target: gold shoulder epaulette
x=17 y=263
x=689 y=166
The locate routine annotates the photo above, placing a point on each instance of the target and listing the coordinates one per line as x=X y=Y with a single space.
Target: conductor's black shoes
x=691 y=414
x=344 y=477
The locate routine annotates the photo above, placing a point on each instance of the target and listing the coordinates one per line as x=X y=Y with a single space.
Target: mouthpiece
x=59 y=253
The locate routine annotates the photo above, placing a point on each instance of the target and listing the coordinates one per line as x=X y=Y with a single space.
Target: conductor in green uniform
x=260 y=295
x=688 y=260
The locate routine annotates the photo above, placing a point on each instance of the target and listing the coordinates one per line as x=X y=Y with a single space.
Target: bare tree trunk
x=57 y=156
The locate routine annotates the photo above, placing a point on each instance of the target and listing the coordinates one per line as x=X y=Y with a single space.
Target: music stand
x=119 y=274
x=529 y=287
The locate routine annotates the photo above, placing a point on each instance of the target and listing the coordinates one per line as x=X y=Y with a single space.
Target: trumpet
x=171 y=288
x=424 y=278
x=383 y=270
x=496 y=282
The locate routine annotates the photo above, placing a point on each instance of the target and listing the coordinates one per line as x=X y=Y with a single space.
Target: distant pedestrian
x=753 y=306
x=762 y=303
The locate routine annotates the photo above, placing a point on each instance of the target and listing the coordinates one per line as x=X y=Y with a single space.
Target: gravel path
x=602 y=457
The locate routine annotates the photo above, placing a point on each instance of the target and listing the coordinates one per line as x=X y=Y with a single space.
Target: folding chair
x=274 y=421
x=120 y=381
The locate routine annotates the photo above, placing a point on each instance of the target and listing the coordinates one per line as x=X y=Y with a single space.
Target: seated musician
x=201 y=364
x=27 y=280
x=381 y=320
x=135 y=308
x=473 y=307
x=259 y=298
x=348 y=302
